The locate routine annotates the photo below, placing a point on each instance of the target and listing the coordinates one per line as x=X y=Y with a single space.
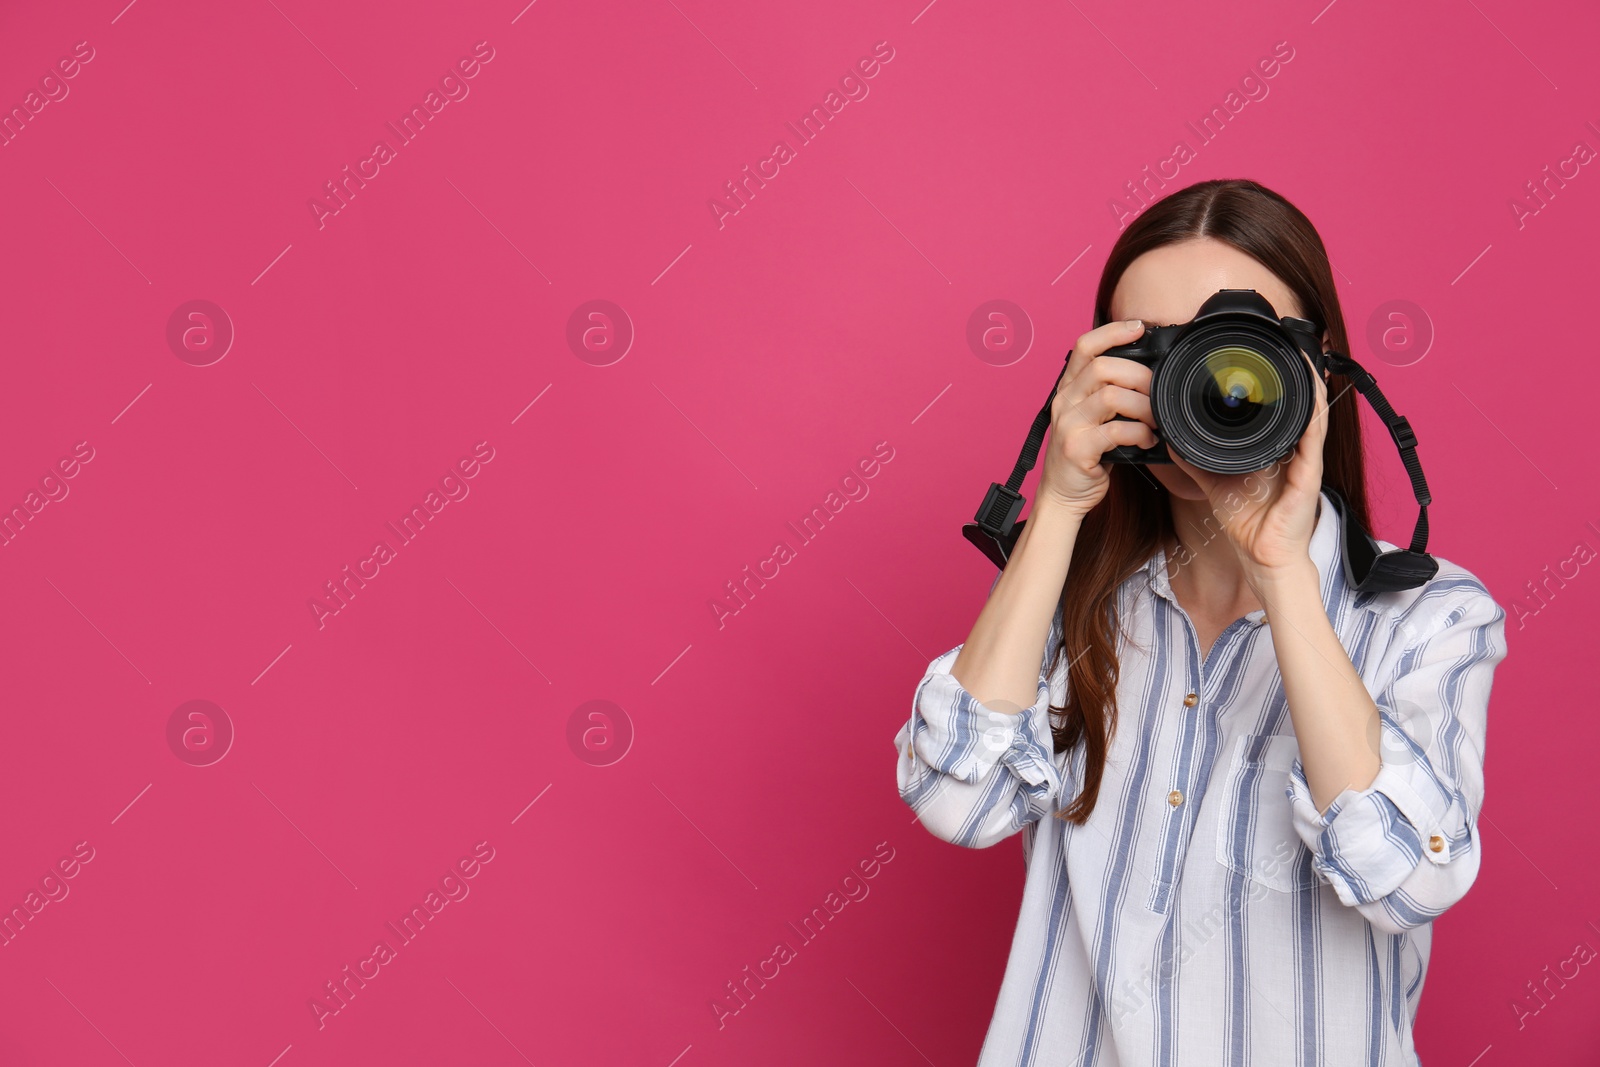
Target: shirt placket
x=1197 y=748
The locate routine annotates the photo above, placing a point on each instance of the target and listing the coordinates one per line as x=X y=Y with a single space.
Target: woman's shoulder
x=1453 y=596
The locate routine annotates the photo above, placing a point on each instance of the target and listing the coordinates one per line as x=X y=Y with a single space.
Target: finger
x=1305 y=470
x=1319 y=412
x=1317 y=429
x=1097 y=340
x=1305 y=459
x=1120 y=432
x=1110 y=400
x=1109 y=370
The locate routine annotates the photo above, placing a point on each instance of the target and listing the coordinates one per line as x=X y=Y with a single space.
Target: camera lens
x=1232 y=398
x=1236 y=389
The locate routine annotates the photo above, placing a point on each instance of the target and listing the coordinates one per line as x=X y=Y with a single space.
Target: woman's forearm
x=999 y=663
x=1335 y=718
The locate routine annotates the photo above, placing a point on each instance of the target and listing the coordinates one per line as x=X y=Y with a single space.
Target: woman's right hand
x=1093 y=390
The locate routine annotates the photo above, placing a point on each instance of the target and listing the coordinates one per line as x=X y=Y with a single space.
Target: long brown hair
x=1122 y=532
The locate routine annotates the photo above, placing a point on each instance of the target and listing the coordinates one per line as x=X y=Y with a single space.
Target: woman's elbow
x=969 y=815
x=1423 y=898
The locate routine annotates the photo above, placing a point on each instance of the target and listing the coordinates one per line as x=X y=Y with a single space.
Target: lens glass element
x=1232 y=393
x=1236 y=392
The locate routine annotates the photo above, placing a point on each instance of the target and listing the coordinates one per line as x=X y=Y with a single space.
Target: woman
x=1248 y=871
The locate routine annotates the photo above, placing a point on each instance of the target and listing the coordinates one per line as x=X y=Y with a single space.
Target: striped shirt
x=1206 y=913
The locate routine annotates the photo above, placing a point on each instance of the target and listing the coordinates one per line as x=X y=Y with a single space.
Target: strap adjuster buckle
x=1404 y=437
x=998 y=513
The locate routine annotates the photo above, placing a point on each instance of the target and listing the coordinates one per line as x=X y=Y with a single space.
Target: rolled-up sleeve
x=975 y=774
x=1406 y=847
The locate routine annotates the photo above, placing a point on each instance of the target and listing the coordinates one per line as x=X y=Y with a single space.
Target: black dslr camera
x=1232 y=391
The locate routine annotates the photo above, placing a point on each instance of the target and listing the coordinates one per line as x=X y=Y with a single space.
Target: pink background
x=771 y=354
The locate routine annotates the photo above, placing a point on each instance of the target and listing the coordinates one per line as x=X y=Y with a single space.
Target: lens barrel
x=1232 y=396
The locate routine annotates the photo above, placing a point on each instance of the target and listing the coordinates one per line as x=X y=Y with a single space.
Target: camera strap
x=994 y=530
x=1367 y=565
x=1399 y=427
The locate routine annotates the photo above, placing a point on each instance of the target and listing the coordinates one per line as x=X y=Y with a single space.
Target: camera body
x=1231 y=390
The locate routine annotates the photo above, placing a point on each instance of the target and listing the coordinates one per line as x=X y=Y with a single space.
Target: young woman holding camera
x=1247 y=871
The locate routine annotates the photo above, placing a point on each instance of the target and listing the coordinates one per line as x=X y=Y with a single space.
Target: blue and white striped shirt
x=1206 y=913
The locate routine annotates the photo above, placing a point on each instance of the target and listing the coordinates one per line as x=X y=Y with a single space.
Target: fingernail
x=1135 y=324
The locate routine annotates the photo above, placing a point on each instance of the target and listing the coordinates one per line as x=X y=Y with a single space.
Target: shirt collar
x=1326 y=550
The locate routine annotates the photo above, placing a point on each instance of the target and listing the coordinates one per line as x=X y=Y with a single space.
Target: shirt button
x=1176 y=797
x=1190 y=701
x=1436 y=843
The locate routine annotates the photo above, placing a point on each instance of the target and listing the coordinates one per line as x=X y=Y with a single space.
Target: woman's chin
x=1176 y=482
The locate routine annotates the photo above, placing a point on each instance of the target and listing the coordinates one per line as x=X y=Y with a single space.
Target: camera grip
x=1131 y=454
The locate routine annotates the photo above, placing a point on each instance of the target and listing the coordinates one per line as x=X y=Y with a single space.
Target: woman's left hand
x=1268 y=515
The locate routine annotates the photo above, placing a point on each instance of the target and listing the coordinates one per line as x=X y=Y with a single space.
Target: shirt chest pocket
x=1255 y=832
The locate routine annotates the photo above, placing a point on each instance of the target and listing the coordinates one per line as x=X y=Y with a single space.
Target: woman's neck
x=1202 y=566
